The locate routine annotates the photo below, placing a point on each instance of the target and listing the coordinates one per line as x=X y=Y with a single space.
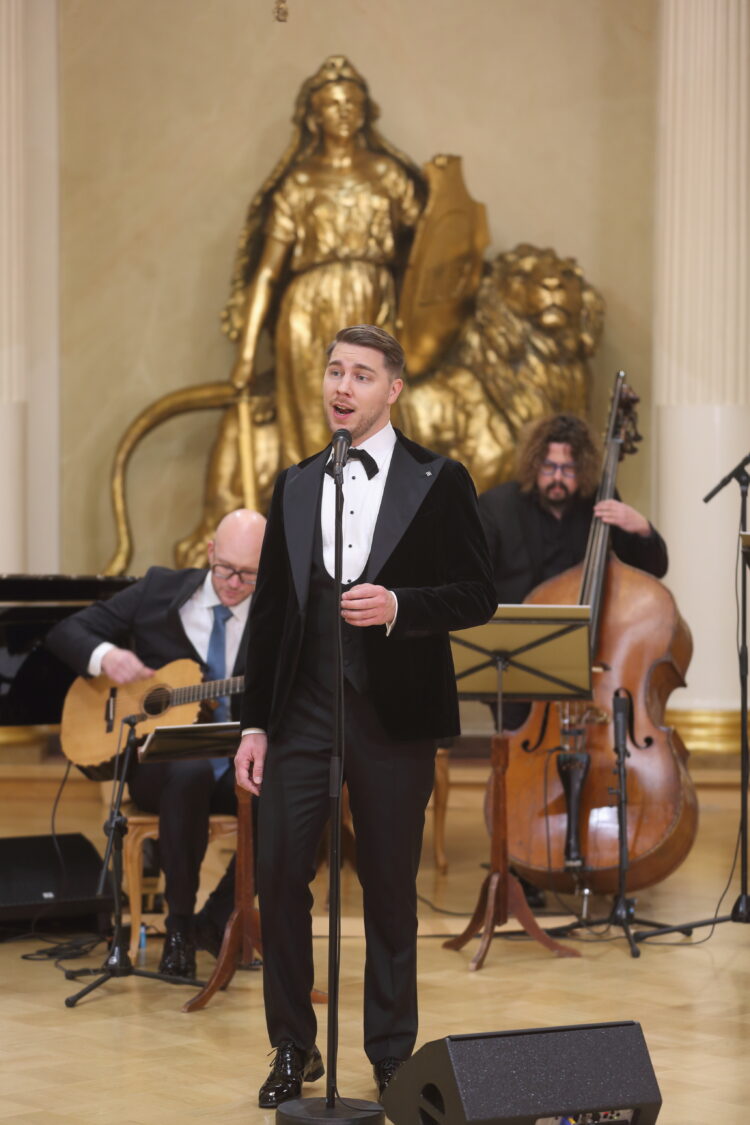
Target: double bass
x=562 y=805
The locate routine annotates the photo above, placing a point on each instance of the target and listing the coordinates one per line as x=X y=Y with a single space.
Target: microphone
x=341 y=441
x=621 y=711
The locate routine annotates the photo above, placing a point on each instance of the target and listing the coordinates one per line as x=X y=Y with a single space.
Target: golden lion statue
x=523 y=354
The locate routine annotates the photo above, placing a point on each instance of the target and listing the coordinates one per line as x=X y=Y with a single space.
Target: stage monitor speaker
x=44 y=877
x=597 y=1072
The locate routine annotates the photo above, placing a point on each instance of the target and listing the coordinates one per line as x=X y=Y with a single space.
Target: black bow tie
x=369 y=462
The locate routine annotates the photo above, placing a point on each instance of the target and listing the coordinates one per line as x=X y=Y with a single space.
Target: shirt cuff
x=253 y=730
x=395 y=615
x=95 y=660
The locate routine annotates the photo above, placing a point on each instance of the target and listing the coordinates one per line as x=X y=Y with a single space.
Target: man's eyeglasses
x=246 y=577
x=549 y=468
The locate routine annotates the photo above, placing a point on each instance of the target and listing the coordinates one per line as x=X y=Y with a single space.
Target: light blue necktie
x=216 y=669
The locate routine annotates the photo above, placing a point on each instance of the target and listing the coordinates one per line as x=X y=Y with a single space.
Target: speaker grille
x=537 y=1076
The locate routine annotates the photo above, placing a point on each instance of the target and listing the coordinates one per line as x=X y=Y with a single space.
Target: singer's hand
x=123 y=666
x=368 y=605
x=249 y=762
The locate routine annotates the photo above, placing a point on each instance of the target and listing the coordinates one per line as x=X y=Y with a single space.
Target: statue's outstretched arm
x=259 y=297
x=205 y=396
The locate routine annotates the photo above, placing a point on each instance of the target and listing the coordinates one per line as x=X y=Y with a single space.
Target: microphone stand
x=332 y=1108
x=741 y=909
x=118 y=963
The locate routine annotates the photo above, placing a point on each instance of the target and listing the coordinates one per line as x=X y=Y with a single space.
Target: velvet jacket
x=428 y=547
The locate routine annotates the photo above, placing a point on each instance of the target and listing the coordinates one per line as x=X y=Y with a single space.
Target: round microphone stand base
x=349 y=1111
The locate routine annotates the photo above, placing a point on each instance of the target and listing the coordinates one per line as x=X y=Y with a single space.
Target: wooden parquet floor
x=127 y=1054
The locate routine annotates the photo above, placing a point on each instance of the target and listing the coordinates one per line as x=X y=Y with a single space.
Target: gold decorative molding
x=707 y=732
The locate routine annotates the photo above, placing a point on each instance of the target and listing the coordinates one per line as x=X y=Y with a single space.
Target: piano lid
x=33 y=683
x=59 y=589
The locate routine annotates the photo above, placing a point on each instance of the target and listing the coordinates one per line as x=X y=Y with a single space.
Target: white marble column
x=702 y=338
x=29 y=365
x=12 y=288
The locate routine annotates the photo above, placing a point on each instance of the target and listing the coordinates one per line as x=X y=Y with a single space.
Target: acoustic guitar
x=95 y=707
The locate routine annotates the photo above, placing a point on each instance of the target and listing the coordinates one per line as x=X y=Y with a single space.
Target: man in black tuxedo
x=198 y=614
x=415 y=566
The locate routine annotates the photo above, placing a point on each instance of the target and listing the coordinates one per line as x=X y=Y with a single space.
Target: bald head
x=236 y=547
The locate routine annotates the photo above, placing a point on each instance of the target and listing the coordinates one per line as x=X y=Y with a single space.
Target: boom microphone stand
x=332 y=1108
x=118 y=963
x=741 y=908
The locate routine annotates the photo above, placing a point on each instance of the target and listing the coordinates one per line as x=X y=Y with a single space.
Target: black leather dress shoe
x=208 y=935
x=383 y=1072
x=178 y=955
x=291 y=1067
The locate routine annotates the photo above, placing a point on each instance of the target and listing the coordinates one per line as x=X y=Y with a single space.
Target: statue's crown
x=336 y=68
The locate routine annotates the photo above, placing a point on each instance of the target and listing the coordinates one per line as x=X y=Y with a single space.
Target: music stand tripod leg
x=501 y=892
x=241 y=934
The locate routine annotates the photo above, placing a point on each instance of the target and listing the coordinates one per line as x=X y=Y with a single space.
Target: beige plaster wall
x=172 y=114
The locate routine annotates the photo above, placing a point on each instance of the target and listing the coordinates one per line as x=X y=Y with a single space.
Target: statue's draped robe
x=344 y=239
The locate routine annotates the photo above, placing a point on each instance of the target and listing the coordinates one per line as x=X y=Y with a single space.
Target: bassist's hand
x=622 y=515
x=123 y=667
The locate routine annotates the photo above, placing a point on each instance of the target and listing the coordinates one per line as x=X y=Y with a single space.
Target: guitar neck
x=196 y=693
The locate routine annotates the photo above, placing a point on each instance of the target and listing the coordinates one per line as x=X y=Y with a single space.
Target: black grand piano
x=33 y=683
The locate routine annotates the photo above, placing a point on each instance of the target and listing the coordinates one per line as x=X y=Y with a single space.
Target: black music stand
x=525 y=652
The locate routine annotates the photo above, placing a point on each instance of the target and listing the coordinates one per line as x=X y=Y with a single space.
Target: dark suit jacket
x=144 y=617
x=512 y=524
x=428 y=547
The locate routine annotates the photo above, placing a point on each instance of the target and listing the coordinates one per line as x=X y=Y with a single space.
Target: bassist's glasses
x=550 y=468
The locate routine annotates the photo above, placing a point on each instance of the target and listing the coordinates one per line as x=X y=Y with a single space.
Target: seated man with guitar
x=195 y=614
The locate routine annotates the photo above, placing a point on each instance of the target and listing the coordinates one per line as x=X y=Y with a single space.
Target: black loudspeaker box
x=46 y=877
x=586 y=1073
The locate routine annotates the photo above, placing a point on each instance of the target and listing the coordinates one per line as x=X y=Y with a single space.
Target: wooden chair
x=145 y=826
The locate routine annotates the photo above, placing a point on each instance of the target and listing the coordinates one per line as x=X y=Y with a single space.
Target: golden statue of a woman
x=322 y=246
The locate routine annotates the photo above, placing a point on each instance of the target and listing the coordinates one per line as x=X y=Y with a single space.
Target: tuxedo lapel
x=301 y=510
x=408 y=483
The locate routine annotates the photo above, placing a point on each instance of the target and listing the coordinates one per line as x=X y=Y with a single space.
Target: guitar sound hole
x=157 y=701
